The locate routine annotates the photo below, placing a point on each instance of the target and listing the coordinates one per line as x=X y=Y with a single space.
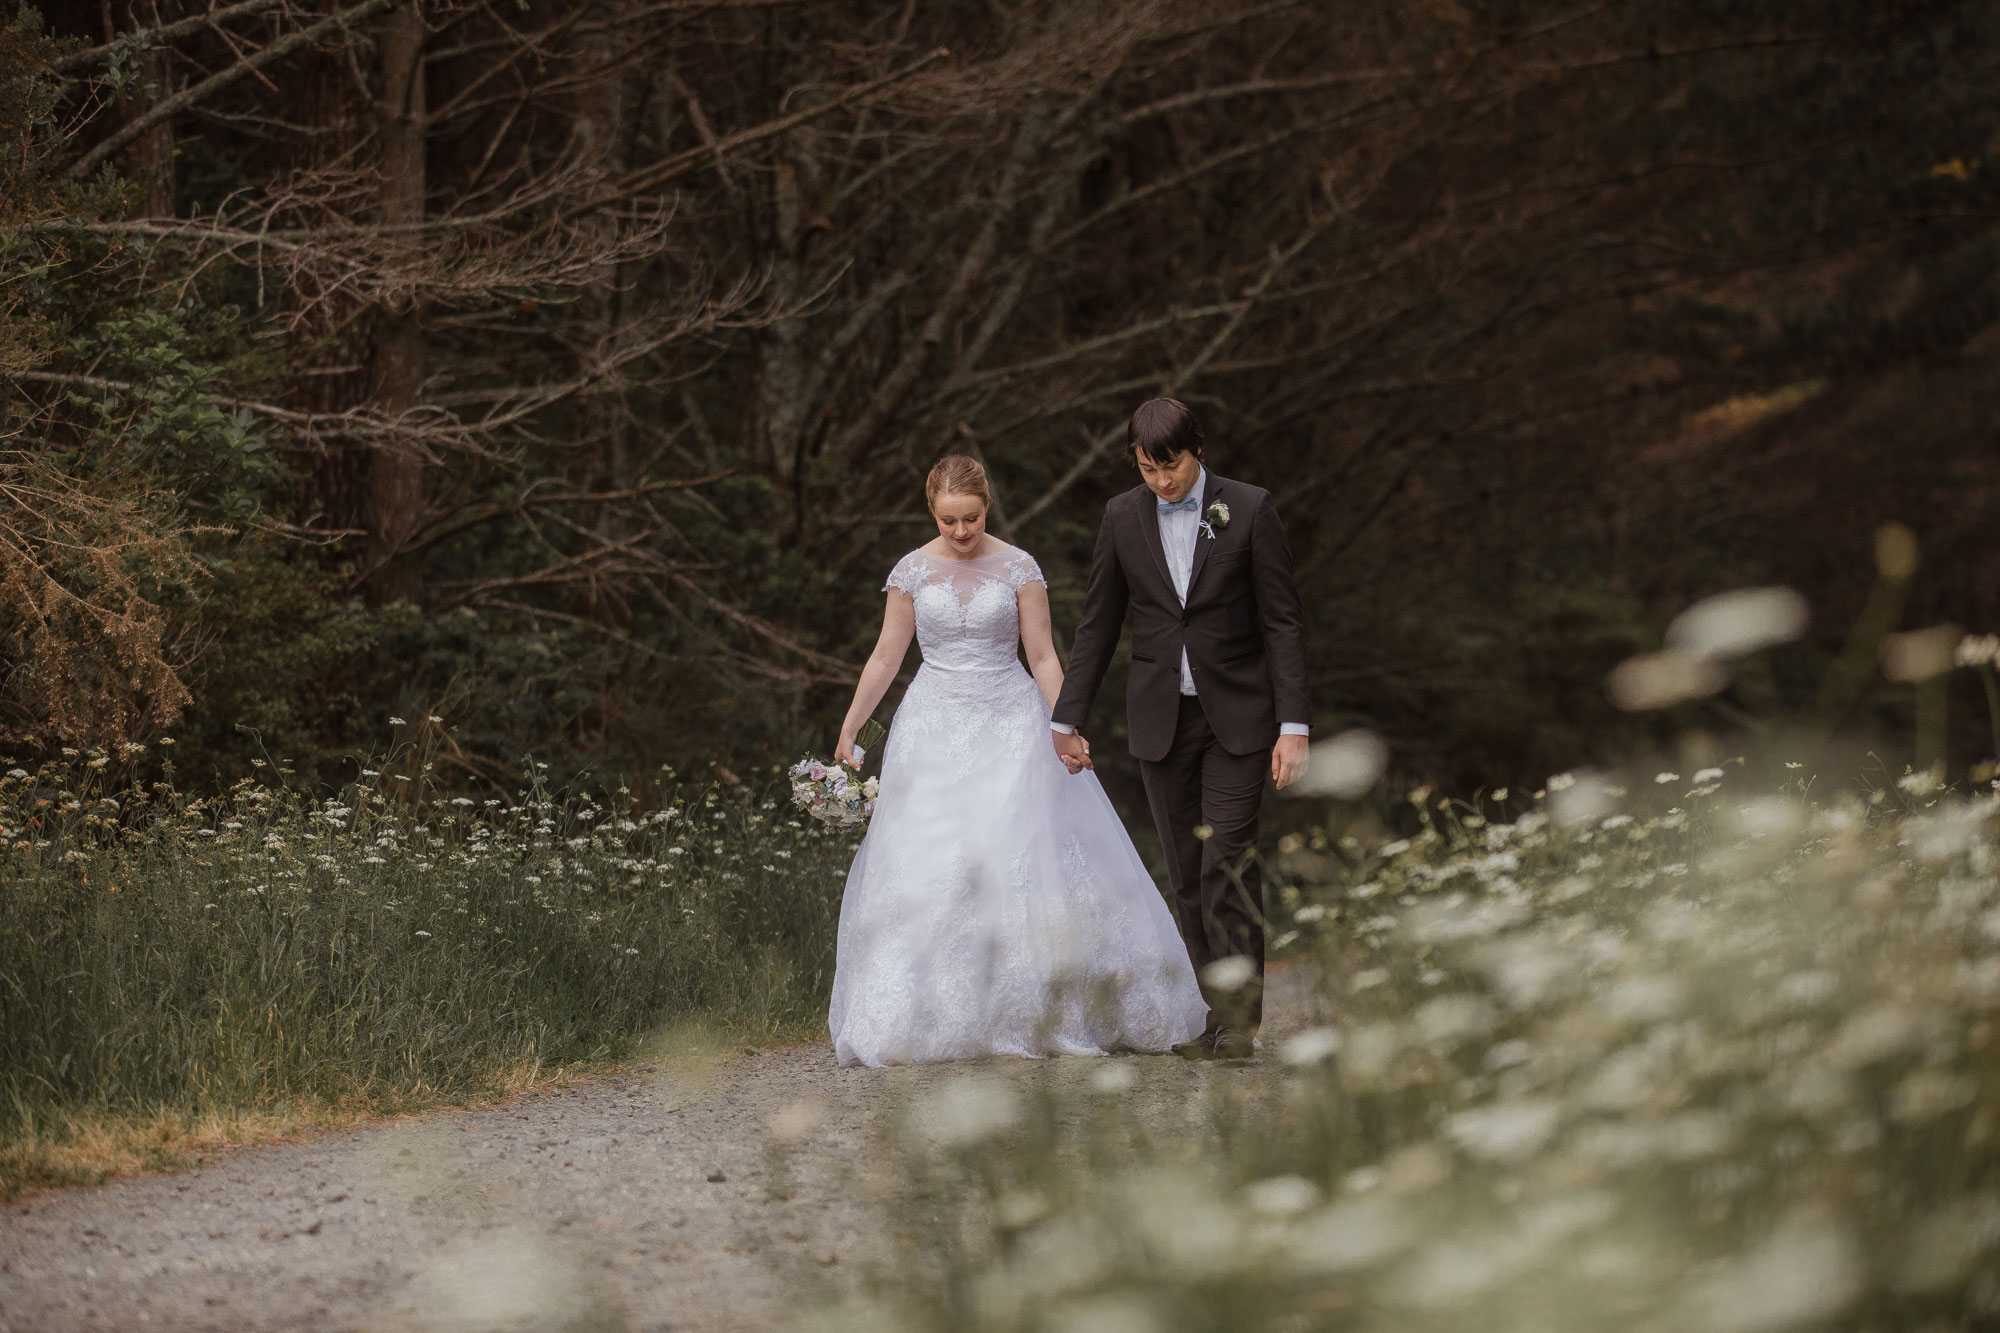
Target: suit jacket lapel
x=1149 y=514
x=1210 y=491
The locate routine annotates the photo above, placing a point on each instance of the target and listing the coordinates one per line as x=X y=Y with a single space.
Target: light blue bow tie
x=1187 y=506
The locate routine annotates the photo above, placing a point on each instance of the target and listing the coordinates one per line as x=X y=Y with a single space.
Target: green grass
x=1690 y=1055
x=175 y=970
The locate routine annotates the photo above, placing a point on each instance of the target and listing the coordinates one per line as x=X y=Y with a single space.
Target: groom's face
x=1173 y=479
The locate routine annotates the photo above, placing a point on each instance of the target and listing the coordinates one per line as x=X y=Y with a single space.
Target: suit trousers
x=1218 y=887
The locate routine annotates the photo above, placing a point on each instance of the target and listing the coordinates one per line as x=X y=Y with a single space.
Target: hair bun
x=955 y=474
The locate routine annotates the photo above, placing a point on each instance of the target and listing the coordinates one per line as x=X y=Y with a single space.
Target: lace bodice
x=967 y=618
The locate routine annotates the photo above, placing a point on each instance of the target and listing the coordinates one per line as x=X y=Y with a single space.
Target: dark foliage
x=570 y=370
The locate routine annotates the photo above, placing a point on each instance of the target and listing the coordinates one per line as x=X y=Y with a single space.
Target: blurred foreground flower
x=966 y=1111
x=1733 y=624
x=1920 y=654
x=1345 y=767
x=1701 y=640
x=1229 y=974
x=1576 y=799
x=1977 y=650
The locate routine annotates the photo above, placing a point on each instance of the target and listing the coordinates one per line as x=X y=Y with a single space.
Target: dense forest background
x=568 y=370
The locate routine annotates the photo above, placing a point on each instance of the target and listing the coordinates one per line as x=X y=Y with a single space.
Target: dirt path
x=736 y=1192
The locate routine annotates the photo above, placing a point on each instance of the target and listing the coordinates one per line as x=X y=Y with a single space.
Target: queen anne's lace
x=996 y=905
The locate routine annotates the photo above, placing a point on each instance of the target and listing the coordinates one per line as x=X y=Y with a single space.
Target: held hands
x=1073 y=750
x=1288 y=760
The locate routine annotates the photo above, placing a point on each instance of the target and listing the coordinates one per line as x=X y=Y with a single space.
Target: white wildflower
x=1920 y=782
x=1976 y=650
x=1229 y=974
x=1505 y=1131
x=1583 y=798
x=1805 y=1273
x=1769 y=816
x=1660 y=680
x=1920 y=654
x=1345 y=767
x=1311 y=1046
x=1281 y=1196
x=1949 y=1244
x=966 y=1111
x=1732 y=624
x=1349 y=1235
x=1451 y=1019
x=1876 y=1034
x=1112 y=1079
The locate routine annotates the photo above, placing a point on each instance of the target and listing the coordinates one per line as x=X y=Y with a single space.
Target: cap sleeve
x=909 y=574
x=1022 y=570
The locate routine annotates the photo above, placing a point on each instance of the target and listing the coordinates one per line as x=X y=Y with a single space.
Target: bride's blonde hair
x=955 y=474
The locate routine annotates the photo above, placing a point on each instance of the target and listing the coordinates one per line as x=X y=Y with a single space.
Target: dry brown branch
x=92 y=665
x=169 y=107
x=652 y=177
x=167 y=32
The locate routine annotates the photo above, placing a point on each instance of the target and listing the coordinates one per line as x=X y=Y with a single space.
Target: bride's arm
x=1038 y=641
x=899 y=625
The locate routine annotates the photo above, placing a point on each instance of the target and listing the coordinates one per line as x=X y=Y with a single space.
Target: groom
x=1217 y=693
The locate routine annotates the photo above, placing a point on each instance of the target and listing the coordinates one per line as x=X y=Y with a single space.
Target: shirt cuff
x=1294 y=729
x=1063 y=727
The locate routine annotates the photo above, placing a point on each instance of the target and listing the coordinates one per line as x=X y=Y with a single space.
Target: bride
x=996 y=906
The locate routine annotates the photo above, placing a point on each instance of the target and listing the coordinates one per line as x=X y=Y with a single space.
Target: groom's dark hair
x=1161 y=429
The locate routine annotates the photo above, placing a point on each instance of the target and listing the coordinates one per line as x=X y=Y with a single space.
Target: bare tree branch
x=169 y=107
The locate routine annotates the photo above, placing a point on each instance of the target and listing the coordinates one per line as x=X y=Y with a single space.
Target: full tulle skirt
x=996 y=905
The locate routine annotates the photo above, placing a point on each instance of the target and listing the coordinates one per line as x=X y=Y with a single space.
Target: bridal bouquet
x=836 y=793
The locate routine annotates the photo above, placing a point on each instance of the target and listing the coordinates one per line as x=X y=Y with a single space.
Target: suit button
x=1184 y=618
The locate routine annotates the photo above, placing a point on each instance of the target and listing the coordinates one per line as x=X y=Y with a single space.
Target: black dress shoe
x=1233 y=1045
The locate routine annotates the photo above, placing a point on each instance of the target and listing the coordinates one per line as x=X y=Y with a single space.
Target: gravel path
x=732 y=1192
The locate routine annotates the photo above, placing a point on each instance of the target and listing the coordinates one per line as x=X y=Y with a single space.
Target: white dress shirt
x=1179 y=530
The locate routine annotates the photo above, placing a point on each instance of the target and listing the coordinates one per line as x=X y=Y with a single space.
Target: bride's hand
x=1074 y=751
x=843 y=753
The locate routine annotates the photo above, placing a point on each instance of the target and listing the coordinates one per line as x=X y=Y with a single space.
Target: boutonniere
x=1215 y=518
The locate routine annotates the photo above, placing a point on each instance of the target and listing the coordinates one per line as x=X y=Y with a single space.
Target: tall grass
x=166 y=958
x=1671 y=1053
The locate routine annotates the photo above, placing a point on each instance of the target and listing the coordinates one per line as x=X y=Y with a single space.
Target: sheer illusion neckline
x=1003 y=550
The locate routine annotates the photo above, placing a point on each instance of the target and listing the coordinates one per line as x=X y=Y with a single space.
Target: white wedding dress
x=996 y=906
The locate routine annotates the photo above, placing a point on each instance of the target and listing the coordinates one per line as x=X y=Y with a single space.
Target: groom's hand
x=1073 y=750
x=1288 y=760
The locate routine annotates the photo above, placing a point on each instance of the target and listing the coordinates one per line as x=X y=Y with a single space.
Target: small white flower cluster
x=1977 y=650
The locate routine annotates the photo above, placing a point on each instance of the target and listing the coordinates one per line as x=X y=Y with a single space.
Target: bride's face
x=961 y=520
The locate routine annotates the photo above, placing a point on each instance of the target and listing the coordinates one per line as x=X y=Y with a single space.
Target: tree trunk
x=602 y=441
x=395 y=474
x=150 y=161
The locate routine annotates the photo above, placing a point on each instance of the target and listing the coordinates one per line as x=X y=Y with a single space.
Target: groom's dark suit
x=1203 y=756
